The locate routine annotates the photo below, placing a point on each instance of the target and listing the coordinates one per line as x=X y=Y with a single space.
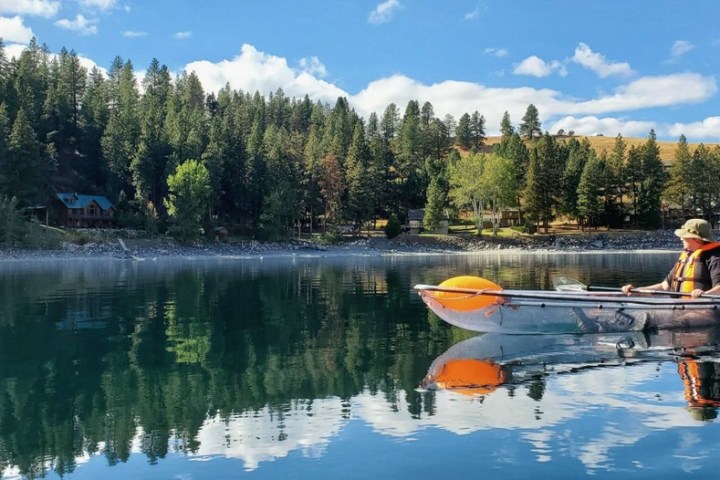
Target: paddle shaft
x=555 y=296
x=669 y=293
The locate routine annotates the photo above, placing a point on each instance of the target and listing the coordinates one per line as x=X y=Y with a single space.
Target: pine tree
x=615 y=187
x=512 y=147
x=4 y=132
x=477 y=130
x=282 y=200
x=31 y=84
x=65 y=100
x=255 y=170
x=463 y=133
x=148 y=164
x=702 y=177
x=28 y=166
x=121 y=135
x=544 y=181
x=652 y=184
x=94 y=117
x=506 y=128
x=410 y=160
x=679 y=185
x=530 y=125
x=434 y=212
x=589 y=192
x=385 y=152
x=577 y=158
x=359 y=206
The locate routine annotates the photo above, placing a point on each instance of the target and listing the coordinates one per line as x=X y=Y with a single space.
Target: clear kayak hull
x=533 y=312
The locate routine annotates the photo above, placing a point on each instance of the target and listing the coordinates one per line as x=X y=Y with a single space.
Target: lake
x=310 y=368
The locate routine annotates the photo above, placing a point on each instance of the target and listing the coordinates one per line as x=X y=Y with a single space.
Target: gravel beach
x=373 y=246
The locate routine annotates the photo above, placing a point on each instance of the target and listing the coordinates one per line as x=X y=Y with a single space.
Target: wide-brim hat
x=695 y=228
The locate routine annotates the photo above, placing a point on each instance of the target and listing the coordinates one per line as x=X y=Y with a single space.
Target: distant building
x=415 y=220
x=511 y=217
x=84 y=211
x=415 y=223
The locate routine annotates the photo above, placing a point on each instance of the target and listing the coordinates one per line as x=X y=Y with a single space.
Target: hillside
x=600 y=143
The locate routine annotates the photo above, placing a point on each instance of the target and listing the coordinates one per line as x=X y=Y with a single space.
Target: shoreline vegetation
x=135 y=249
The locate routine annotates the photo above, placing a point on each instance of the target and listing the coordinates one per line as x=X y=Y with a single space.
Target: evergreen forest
x=173 y=158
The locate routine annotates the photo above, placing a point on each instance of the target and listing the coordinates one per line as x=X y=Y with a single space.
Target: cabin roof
x=416 y=214
x=79 y=200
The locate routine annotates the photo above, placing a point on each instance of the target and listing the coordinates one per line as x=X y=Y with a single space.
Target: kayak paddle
x=567 y=284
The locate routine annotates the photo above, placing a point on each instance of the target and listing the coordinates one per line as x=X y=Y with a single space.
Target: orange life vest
x=687 y=275
x=696 y=393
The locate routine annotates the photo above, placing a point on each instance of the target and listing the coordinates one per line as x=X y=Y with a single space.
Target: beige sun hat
x=695 y=228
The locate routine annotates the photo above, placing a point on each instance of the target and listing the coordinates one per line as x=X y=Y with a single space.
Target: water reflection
x=101 y=362
x=479 y=365
x=540 y=382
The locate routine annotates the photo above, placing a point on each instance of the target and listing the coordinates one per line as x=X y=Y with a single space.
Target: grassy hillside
x=667 y=149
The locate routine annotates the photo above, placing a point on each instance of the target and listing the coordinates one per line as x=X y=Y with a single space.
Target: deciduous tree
x=187 y=200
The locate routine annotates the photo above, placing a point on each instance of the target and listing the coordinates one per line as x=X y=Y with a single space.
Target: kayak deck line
x=551 y=312
x=606 y=297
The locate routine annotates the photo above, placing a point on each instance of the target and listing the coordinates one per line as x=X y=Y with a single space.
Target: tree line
x=172 y=157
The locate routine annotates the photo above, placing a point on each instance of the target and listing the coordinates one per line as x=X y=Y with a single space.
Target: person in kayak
x=697 y=271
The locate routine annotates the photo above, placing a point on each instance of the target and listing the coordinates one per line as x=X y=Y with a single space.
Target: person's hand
x=500 y=300
x=696 y=293
x=627 y=289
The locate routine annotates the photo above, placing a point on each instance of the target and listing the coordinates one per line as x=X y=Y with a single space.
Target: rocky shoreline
x=372 y=246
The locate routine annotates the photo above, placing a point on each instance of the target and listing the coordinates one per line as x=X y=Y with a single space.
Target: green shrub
x=13 y=229
x=393 y=227
x=332 y=236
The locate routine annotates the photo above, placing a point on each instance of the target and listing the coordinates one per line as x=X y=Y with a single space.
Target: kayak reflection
x=479 y=365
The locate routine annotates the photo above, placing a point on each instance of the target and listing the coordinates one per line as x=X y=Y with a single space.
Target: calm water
x=312 y=368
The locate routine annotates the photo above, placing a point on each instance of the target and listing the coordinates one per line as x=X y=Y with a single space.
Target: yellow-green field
x=600 y=143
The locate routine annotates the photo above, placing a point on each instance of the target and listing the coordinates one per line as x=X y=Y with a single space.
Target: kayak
x=482 y=363
x=479 y=305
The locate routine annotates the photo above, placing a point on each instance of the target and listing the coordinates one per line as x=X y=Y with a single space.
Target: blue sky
x=602 y=66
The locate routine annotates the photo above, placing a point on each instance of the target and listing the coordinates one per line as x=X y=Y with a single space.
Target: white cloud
x=610 y=127
x=680 y=48
x=182 y=35
x=41 y=8
x=472 y=15
x=98 y=4
x=598 y=64
x=537 y=67
x=253 y=71
x=133 y=34
x=14 y=30
x=384 y=11
x=649 y=92
x=708 y=128
x=81 y=25
x=496 y=52
x=14 y=50
x=313 y=66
